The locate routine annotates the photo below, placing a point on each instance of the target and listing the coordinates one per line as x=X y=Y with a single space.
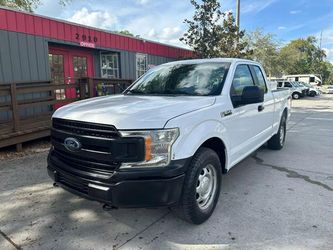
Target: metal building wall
x=23 y=57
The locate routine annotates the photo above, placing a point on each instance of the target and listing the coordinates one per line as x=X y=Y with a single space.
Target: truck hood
x=133 y=111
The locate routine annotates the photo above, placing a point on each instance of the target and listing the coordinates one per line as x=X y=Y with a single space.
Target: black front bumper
x=123 y=188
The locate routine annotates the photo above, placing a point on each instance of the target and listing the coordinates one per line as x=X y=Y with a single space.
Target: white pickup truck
x=169 y=137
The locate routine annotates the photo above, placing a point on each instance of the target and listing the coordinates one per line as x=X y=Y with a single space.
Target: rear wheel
x=296 y=95
x=201 y=187
x=277 y=140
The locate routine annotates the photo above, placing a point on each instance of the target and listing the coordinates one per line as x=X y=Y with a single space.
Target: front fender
x=192 y=137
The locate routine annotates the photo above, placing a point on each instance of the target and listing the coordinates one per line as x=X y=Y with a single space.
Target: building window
x=141 y=64
x=80 y=66
x=56 y=63
x=109 y=65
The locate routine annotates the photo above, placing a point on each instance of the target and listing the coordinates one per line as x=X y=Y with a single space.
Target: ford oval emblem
x=72 y=144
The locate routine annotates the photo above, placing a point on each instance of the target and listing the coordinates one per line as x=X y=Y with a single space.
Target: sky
x=162 y=20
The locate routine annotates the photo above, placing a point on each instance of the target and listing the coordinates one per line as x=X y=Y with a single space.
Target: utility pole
x=238 y=14
x=321 y=38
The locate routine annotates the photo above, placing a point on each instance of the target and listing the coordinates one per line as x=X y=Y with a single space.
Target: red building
x=34 y=47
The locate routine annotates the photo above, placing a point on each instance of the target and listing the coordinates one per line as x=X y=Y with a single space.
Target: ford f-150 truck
x=169 y=137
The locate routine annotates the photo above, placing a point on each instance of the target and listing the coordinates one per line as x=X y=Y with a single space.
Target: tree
x=27 y=5
x=212 y=33
x=302 y=56
x=232 y=42
x=327 y=73
x=265 y=50
x=125 y=32
x=202 y=33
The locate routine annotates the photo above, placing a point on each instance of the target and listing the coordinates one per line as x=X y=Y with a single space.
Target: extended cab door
x=266 y=114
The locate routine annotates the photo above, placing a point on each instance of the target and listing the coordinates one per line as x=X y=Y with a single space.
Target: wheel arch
x=219 y=147
x=285 y=112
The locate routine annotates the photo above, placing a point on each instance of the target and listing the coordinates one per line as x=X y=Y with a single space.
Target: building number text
x=85 y=38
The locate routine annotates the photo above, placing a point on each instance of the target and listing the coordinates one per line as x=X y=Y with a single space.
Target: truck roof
x=198 y=61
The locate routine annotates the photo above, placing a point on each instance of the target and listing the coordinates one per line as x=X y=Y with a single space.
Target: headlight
x=157 y=146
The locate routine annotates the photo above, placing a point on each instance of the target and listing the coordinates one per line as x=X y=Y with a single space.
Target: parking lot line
x=318 y=118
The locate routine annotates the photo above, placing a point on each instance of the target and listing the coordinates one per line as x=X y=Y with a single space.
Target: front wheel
x=201 y=187
x=277 y=140
x=296 y=96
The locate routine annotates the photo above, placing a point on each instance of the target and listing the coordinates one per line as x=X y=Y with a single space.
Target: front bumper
x=124 y=188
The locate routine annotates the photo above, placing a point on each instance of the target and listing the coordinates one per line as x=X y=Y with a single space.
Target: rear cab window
x=259 y=78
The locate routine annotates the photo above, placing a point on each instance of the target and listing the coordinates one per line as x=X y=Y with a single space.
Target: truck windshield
x=182 y=79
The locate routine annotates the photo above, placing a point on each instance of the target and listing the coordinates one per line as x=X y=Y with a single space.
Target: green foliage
x=212 y=33
x=300 y=56
x=303 y=56
x=26 y=5
x=125 y=32
x=265 y=50
x=327 y=73
x=231 y=40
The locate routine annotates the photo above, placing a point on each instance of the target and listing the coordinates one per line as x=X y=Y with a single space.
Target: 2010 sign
x=85 y=38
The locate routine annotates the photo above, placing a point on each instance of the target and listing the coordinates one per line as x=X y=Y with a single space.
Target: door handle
x=226 y=113
x=261 y=108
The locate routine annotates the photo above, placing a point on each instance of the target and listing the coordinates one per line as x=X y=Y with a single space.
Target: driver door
x=243 y=121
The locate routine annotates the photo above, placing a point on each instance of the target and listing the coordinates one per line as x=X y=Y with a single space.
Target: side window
x=260 y=78
x=279 y=84
x=288 y=85
x=242 y=78
x=141 y=64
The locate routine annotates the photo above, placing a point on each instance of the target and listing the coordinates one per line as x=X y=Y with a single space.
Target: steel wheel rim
x=206 y=187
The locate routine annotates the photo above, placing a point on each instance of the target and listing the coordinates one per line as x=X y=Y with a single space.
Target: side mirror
x=252 y=94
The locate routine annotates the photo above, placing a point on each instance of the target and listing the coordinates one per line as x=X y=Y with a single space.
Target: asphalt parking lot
x=271 y=200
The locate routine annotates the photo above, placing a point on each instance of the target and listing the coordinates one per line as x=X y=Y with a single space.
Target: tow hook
x=108 y=207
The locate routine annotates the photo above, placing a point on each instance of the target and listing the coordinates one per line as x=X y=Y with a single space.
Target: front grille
x=85 y=128
x=97 y=168
x=94 y=159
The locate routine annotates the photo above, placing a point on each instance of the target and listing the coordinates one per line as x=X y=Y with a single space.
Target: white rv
x=307 y=78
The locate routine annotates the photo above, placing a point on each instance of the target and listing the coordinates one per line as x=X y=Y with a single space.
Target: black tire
x=277 y=140
x=312 y=94
x=188 y=207
x=296 y=96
